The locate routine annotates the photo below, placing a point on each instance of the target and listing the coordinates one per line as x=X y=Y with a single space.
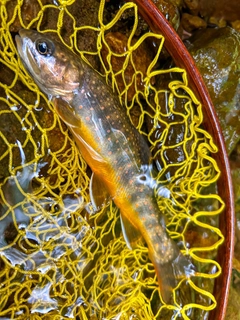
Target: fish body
x=116 y=152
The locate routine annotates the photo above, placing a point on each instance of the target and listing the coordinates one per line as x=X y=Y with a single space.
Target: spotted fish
x=116 y=152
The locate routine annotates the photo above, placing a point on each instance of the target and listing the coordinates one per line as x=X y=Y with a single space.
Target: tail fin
x=169 y=272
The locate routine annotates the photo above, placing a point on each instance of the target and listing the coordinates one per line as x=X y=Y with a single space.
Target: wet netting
x=59 y=259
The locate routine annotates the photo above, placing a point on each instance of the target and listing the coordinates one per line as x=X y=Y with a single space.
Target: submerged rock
x=217 y=56
x=141 y=59
x=170 y=9
x=190 y=22
x=218 y=9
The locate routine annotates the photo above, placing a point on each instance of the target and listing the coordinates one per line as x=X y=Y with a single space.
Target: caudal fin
x=169 y=274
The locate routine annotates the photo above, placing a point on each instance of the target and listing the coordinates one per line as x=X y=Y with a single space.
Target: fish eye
x=45 y=48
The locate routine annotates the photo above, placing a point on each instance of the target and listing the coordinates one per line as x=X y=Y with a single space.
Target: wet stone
x=219 y=9
x=142 y=57
x=29 y=11
x=171 y=11
x=217 y=56
x=190 y=22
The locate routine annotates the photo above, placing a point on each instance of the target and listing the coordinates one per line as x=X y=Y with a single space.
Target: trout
x=115 y=151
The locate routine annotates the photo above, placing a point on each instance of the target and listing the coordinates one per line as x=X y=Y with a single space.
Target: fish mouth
x=22 y=33
x=23 y=42
x=19 y=43
x=19 y=38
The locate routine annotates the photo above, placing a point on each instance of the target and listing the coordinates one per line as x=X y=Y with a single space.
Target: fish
x=116 y=152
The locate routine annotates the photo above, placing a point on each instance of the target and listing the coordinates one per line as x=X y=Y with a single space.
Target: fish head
x=54 y=68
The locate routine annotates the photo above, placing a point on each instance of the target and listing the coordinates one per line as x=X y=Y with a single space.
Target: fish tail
x=168 y=273
x=166 y=280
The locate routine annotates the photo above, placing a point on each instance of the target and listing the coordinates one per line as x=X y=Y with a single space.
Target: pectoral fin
x=98 y=193
x=66 y=112
x=131 y=234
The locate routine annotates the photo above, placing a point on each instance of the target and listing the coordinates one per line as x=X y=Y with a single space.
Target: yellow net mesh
x=58 y=259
